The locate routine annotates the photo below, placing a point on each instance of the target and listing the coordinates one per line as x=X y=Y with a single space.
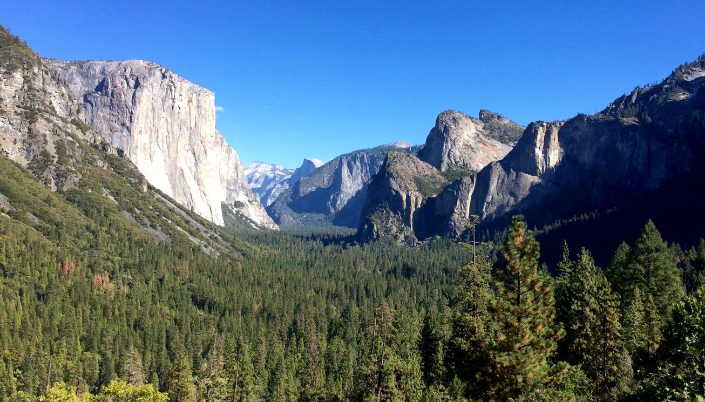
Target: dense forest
x=111 y=292
x=92 y=310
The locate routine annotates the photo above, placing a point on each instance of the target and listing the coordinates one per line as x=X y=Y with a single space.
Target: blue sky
x=322 y=78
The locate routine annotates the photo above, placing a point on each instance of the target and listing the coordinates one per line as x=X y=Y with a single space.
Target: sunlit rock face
x=166 y=126
x=332 y=194
x=268 y=180
x=458 y=140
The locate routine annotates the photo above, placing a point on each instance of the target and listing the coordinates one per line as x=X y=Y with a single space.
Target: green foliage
x=682 y=371
x=429 y=185
x=523 y=311
x=650 y=266
x=590 y=313
x=121 y=391
x=30 y=113
x=473 y=327
x=180 y=385
x=455 y=172
x=14 y=53
x=80 y=125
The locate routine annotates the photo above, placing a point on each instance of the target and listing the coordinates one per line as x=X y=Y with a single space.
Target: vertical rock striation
x=413 y=198
x=334 y=193
x=166 y=126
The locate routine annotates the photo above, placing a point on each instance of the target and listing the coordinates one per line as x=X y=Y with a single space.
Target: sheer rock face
x=642 y=140
x=413 y=198
x=561 y=169
x=335 y=192
x=458 y=140
x=400 y=200
x=267 y=180
x=166 y=126
x=36 y=114
x=639 y=142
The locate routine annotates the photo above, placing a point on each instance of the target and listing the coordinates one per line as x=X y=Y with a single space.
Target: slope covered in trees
x=110 y=291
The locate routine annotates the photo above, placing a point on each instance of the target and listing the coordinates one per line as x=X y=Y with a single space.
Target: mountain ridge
x=565 y=168
x=333 y=194
x=268 y=180
x=165 y=124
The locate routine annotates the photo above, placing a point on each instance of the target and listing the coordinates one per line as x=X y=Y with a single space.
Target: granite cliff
x=460 y=141
x=59 y=175
x=639 y=142
x=401 y=199
x=165 y=125
x=334 y=193
x=651 y=137
x=268 y=180
x=413 y=198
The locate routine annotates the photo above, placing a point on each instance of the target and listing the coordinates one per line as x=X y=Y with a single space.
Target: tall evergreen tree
x=132 y=368
x=524 y=310
x=577 y=307
x=611 y=371
x=633 y=323
x=657 y=266
x=683 y=355
x=652 y=325
x=180 y=382
x=432 y=349
x=650 y=266
x=472 y=321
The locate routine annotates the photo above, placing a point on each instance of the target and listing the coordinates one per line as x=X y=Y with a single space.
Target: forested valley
x=95 y=310
x=109 y=291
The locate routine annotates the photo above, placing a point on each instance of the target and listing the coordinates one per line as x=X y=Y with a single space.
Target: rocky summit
x=641 y=141
x=400 y=199
x=413 y=198
x=460 y=141
x=165 y=125
x=268 y=180
x=334 y=193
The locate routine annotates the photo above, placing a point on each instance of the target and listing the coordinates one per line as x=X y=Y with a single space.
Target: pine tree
x=180 y=385
x=657 y=266
x=240 y=372
x=683 y=364
x=576 y=307
x=652 y=325
x=633 y=323
x=608 y=349
x=524 y=311
x=650 y=266
x=132 y=368
x=431 y=348
x=312 y=372
x=212 y=384
x=473 y=325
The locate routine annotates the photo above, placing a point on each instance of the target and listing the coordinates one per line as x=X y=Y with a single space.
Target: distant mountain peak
x=401 y=144
x=268 y=180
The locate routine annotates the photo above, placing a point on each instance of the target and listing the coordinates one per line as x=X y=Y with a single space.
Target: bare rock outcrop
x=651 y=137
x=641 y=141
x=334 y=193
x=460 y=141
x=166 y=126
x=400 y=200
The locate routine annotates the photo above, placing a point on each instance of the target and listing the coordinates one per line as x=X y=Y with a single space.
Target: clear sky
x=300 y=79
